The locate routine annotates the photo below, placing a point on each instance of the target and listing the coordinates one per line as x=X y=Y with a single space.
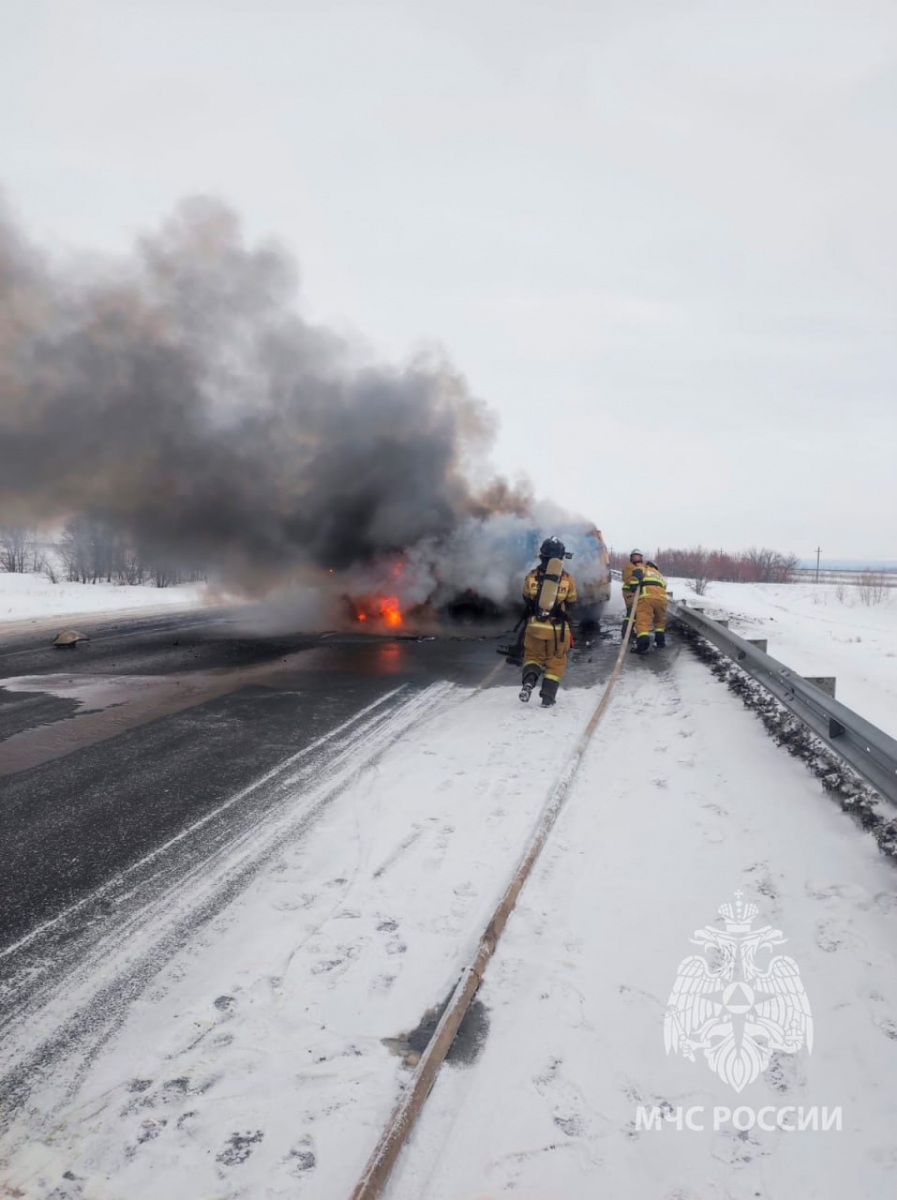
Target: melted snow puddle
x=114 y=704
x=466 y=1046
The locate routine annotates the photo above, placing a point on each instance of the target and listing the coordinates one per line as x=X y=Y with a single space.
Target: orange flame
x=379 y=608
x=390 y=611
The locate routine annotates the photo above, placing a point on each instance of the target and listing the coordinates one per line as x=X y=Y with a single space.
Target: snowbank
x=32 y=597
x=822 y=629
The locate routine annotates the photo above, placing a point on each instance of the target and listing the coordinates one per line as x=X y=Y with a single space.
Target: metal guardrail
x=870 y=751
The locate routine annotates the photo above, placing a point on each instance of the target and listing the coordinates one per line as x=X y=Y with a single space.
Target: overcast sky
x=658 y=238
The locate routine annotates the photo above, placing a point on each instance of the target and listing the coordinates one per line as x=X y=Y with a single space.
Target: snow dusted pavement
x=682 y=800
x=256 y=1053
x=78 y=970
x=262 y=1057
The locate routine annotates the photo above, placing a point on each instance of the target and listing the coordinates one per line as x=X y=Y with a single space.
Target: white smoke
x=486 y=557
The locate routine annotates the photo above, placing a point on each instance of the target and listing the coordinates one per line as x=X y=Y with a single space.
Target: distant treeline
x=88 y=551
x=701 y=566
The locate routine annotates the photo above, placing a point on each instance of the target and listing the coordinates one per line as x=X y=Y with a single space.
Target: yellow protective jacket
x=566 y=595
x=652 y=581
x=630 y=585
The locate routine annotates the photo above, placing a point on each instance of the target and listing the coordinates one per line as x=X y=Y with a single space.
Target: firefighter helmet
x=552 y=547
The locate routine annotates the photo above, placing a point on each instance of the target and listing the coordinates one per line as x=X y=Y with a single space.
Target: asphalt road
x=133 y=767
x=109 y=750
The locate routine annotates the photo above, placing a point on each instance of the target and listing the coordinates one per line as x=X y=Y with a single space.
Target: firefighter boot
x=660 y=638
x=643 y=645
x=530 y=679
x=548 y=692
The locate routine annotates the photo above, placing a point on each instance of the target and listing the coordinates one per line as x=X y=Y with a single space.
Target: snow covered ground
x=33 y=598
x=261 y=1059
x=681 y=802
x=818 y=630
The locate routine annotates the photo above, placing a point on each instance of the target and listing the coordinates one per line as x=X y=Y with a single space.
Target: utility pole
x=818 y=552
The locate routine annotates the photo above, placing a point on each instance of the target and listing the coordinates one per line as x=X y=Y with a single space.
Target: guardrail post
x=825 y=683
x=871 y=752
x=760 y=643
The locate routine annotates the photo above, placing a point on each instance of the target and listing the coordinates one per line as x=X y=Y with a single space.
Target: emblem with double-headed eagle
x=733 y=1004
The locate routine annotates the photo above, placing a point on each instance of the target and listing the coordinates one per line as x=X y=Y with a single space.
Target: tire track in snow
x=88 y=980
x=273 y=1018
x=275 y=774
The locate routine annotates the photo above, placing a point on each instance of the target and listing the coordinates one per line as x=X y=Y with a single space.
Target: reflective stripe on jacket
x=653 y=579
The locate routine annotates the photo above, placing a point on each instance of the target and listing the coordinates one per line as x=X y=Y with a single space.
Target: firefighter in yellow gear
x=652 y=608
x=630 y=585
x=550 y=593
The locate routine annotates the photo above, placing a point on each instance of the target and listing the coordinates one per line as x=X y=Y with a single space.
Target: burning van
x=476 y=574
x=591 y=569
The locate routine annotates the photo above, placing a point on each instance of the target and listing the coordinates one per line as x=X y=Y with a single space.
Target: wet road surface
x=148 y=774
x=109 y=750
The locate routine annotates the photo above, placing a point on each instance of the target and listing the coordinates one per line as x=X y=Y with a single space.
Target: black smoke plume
x=179 y=396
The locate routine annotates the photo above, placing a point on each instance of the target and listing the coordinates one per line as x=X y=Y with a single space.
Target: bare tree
x=871 y=586
x=93 y=551
x=786 y=567
x=700 y=570
x=90 y=550
x=131 y=568
x=18 y=549
x=164 y=575
x=748 y=566
x=768 y=566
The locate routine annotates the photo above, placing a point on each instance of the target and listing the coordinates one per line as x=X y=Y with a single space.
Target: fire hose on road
x=867 y=749
x=404 y=1116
